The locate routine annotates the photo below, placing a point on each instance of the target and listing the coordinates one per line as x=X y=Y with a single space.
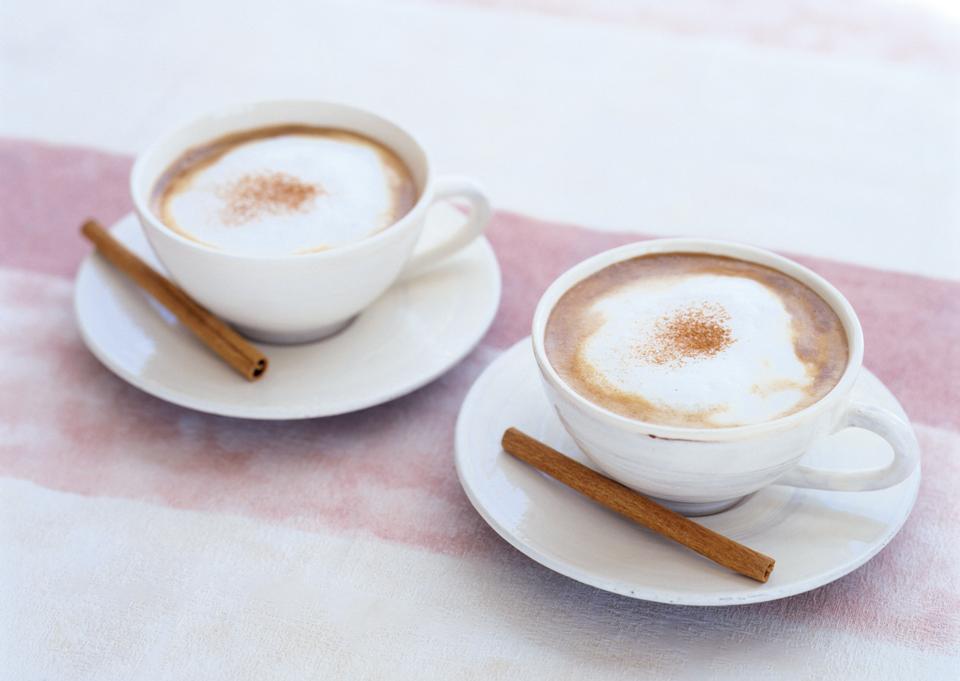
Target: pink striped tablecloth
x=80 y=597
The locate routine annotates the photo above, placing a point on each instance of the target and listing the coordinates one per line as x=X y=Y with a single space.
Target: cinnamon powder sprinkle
x=695 y=332
x=253 y=196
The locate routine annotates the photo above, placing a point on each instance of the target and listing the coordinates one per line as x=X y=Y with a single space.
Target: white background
x=620 y=121
x=805 y=125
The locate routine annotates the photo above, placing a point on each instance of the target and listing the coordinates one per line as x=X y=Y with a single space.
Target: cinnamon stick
x=638 y=508
x=214 y=333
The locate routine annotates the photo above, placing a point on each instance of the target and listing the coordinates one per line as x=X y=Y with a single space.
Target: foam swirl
x=694 y=340
x=278 y=191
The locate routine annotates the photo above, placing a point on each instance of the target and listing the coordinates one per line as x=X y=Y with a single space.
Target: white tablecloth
x=139 y=541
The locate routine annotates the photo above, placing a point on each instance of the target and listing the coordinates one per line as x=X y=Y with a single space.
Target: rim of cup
x=595 y=263
x=141 y=187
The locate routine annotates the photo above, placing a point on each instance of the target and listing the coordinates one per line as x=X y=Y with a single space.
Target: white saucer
x=815 y=537
x=407 y=338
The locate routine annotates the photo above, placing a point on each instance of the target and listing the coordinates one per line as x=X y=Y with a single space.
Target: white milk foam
x=757 y=377
x=355 y=199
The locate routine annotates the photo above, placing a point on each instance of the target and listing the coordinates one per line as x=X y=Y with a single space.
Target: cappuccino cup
x=288 y=218
x=699 y=371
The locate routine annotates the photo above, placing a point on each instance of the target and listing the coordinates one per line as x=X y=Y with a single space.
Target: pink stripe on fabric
x=46 y=191
x=69 y=424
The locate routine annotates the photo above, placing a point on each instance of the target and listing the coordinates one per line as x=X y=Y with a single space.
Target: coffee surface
x=284 y=190
x=696 y=340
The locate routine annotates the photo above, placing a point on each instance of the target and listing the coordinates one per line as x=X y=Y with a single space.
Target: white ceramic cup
x=303 y=297
x=705 y=470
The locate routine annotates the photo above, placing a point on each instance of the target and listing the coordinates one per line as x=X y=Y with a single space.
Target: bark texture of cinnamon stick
x=638 y=508
x=215 y=334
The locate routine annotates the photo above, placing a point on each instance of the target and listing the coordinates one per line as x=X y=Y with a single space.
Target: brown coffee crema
x=689 y=334
x=260 y=194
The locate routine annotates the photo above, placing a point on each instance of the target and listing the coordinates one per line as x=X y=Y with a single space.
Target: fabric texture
x=142 y=540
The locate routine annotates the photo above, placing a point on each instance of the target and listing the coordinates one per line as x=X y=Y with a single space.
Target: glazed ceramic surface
x=816 y=536
x=296 y=298
x=702 y=470
x=417 y=330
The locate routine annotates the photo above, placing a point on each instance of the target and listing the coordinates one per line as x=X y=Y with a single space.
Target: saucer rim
x=658 y=595
x=266 y=412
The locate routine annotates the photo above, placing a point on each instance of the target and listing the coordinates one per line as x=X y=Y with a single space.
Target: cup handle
x=893 y=429
x=477 y=218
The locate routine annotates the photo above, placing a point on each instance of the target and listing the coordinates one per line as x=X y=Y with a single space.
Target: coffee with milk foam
x=284 y=190
x=696 y=340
